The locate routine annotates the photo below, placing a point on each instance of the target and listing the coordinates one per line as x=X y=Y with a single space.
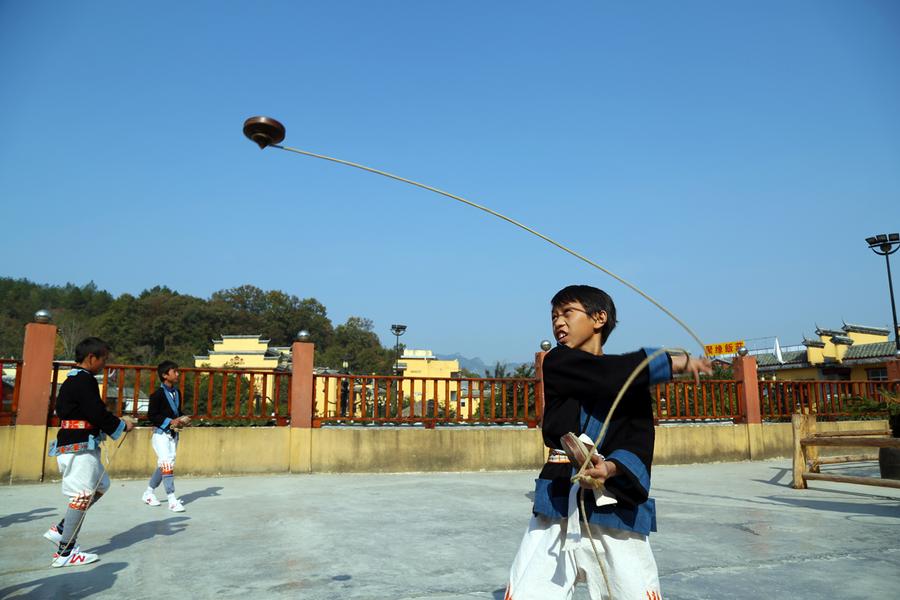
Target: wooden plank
x=853 y=433
x=891 y=483
x=853 y=441
x=833 y=460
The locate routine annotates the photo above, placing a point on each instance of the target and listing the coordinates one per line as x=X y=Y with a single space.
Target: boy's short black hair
x=593 y=300
x=164 y=367
x=88 y=346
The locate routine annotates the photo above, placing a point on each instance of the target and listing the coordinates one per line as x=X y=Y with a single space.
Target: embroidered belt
x=90 y=444
x=557 y=456
x=75 y=425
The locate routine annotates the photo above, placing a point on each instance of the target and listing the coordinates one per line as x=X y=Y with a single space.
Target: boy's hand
x=129 y=423
x=601 y=470
x=694 y=366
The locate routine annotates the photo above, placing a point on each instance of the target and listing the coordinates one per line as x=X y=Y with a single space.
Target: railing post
x=302 y=354
x=538 y=389
x=302 y=402
x=30 y=443
x=745 y=373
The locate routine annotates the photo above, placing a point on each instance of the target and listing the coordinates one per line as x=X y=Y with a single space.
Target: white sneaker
x=53 y=534
x=176 y=505
x=150 y=499
x=74 y=559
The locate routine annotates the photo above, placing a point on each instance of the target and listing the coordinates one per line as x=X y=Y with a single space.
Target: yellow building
x=419 y=366
x=248 y=352
x=243 y=352
x=852 y=353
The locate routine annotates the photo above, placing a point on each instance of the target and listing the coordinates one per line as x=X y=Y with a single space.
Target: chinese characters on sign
x=723 y=348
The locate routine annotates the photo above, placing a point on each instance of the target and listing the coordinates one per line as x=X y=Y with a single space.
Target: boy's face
x=94 y=363
x=171 y=376
x=573 y=327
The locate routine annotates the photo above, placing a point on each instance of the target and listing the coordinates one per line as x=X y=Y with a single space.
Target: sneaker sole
x=78 y=564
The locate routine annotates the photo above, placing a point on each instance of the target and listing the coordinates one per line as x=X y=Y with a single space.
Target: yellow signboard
x=723 y=348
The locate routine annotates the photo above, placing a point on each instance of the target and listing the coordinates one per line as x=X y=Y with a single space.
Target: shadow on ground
x=206 y=493
x=24 y=517
x=66 y=583
x=142 y=532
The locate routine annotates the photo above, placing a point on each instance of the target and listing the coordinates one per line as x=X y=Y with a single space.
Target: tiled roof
x=848 y=327
x=876 y=350
x=769 y=360
x=813 y=343
x=842 y=339
x=829 y=332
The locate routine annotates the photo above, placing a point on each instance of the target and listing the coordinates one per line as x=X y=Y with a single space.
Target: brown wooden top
x=885 y=442
x=854 y=433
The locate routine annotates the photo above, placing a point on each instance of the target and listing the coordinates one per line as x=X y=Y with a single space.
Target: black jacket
x=160 y=411
x=574 y=379
x=79 y=400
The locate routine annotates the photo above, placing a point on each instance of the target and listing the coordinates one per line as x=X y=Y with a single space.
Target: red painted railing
x=424 y=400
x=684 y=400
x=780 y=399
x=256 y=397
x=9 y=401
x=209 y=396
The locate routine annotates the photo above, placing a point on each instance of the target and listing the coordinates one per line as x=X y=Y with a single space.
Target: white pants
x=165 y=446
x=543 y=570
x=82 y=473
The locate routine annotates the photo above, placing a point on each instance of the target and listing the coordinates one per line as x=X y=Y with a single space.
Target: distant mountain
x=476 y=365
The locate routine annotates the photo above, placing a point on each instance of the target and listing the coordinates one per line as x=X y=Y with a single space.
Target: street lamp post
x=886 y=244
x=397 y=330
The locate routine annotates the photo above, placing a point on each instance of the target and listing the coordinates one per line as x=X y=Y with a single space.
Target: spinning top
x=264 y=131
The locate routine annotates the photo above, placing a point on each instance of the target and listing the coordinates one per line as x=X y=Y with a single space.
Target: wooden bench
x=806 y=453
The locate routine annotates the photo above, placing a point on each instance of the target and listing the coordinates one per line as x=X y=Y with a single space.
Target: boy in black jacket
x=164 y=411
x=84 y=423
x=580 y=385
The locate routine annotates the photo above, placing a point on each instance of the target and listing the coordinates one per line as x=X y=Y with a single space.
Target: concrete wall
x=7 y=441
x=244 y=450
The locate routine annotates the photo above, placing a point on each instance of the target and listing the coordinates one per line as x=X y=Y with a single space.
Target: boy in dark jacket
x=580 y=385
x=84 y=423
x=164 y=411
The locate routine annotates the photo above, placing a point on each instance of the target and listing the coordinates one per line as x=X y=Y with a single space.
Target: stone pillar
x=745 y=373
x=30 y=442
x=302 y=402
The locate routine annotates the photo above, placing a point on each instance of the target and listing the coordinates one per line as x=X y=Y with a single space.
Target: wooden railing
x=209 y=396
x=780 y=399
x=252 y=396
x=684 y=400
x=359 y=399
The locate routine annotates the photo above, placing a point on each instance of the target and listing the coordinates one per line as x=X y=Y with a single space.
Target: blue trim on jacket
x=660 y=367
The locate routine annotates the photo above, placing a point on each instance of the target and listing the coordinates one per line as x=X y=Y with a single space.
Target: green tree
x=356 y=342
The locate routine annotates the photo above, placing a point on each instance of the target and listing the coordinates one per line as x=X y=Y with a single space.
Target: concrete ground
x=731 y=530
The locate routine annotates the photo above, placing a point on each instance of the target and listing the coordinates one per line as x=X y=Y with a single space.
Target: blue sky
x=728 y=158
